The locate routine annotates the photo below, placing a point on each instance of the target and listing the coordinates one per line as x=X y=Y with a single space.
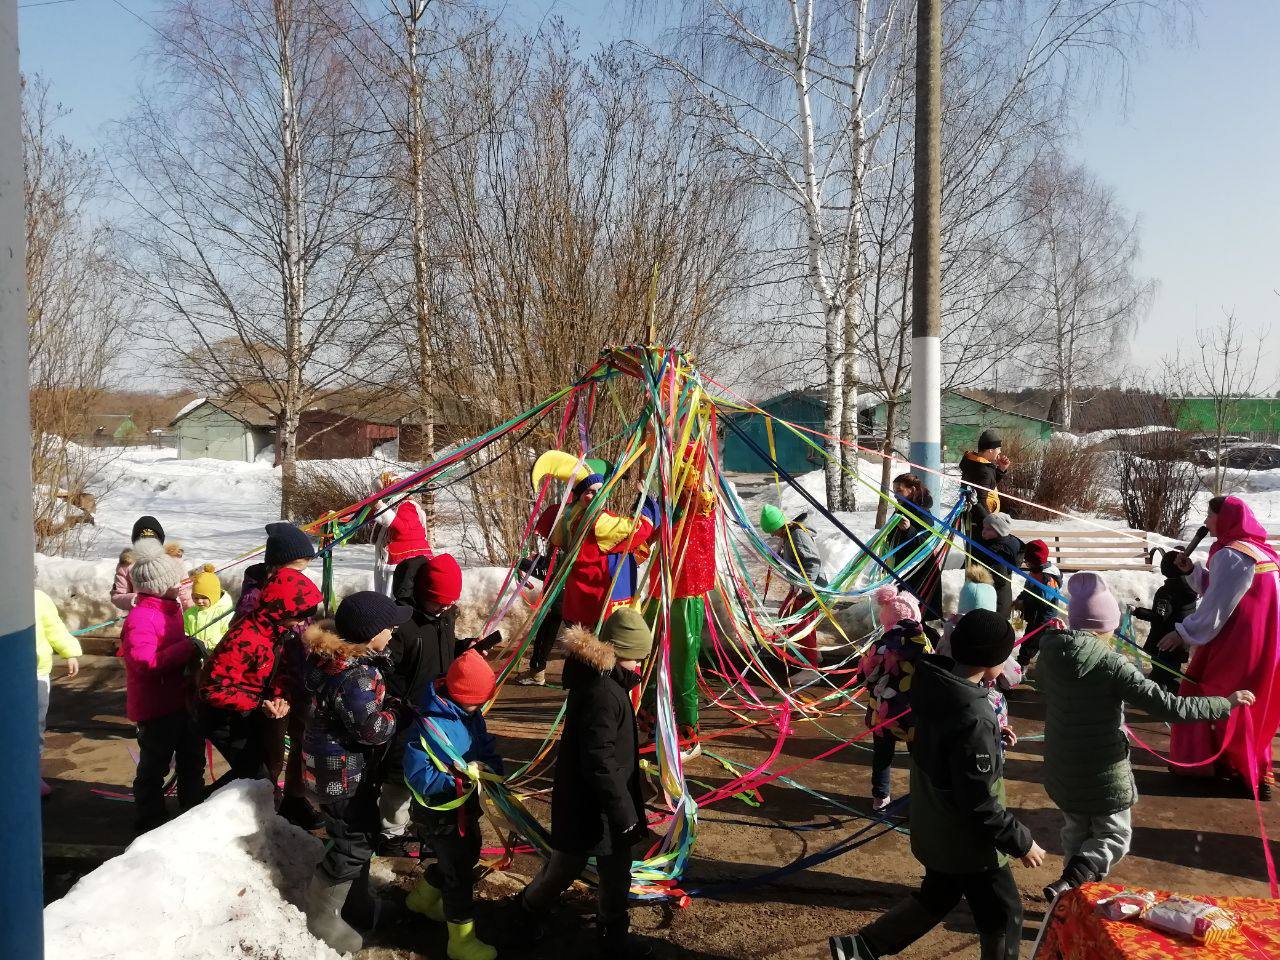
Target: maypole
x=21 y=876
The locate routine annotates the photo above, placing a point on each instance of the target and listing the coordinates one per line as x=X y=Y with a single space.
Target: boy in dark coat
x=442 y=762
x=1174 y=601
x=350 y=719
x=596 y=805
x=1039 y=607
x=421 y=651
x=961 y=830
x=981 y=471
x=998 y=538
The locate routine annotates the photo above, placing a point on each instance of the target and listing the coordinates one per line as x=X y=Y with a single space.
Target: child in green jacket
x=1087 y=774
x=209 y=615
x=52 y=636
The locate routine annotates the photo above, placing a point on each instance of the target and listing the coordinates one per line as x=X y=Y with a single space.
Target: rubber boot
x=899 y=927
x=1076 y=872
x=324 y=914
x=465 y=945
x=426 y=900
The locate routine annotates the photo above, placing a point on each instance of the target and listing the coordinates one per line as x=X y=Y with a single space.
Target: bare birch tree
x=255 y=189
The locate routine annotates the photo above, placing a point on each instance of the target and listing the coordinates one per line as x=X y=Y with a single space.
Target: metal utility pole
x=926 y=307
x=21 y=875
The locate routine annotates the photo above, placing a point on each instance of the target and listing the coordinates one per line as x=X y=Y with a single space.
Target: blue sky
x=1194 y=151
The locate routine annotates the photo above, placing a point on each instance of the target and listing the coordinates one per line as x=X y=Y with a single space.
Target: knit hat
x=895 y=606
x=1001 y=524
x=1169 y=563
x=1037 y=551
x=982 y=638
x=772 y=519
x=206 y=584
x=154 y=571
x=976 y=595
x=1091 y=605
x=470 y=680
x=628 y=634
x=364 y=615
x=439 y=580
x=591 y=482
x=147 y=527
x=286 y=543
x=989 y=440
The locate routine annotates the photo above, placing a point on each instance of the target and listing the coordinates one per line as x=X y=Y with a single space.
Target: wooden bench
x=1074 y=550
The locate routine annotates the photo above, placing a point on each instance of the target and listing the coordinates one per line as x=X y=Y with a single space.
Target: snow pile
x=1104 y=436
x=223 y=880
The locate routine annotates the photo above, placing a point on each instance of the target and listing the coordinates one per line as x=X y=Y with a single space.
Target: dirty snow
x=223 y=880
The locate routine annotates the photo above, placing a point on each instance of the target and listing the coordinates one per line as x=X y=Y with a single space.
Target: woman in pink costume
x=1235 y=639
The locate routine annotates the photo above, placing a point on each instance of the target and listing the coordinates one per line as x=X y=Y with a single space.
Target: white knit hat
x=153 y=571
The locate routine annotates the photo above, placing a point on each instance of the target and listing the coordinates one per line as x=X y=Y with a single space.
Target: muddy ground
x=1186 y=838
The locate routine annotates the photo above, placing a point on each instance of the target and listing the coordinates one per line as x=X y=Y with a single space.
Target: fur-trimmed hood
x=127 y=557
x=321 y=640
x=585 y=647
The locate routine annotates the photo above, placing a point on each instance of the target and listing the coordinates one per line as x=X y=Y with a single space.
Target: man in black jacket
x=981 y=471
x=961 y=830
x=596 y=805
x=420 y=650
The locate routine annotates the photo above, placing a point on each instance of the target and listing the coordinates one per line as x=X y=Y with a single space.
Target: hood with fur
x=127 y=557
x=321 y=640
x=585 y=647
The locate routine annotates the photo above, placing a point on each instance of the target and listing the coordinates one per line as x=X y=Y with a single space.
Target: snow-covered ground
x=226 y=879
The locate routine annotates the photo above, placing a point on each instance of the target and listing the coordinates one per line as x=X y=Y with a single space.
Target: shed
x=333 y=435
x=795 y=454
x=1255 y=416
x=964 y=416
x=223 y=430
x=116 y=429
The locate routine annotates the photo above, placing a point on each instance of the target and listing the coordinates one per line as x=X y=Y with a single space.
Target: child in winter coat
x=123 y=595
x=998 y=539
x=1175 y=600
x=1086 y=686
x=209 y=616
x=961 y=830
x=981 y=471
x=247 y=680
x=449 y=751
x=349 y=721
x=421 y=651
x=604 y=573
x=52 y=636
x=888 y=669
x=596 y=806
x=156 y=651
x=1039 y=607
x=798 y=549
x=401 y=537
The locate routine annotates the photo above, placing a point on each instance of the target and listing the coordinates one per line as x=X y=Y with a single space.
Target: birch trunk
x=886 y=462
x=292 y=274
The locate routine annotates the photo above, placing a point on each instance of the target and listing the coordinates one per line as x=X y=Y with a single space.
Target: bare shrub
x=1058 y=475
x=1157 y=485
x=324 y=486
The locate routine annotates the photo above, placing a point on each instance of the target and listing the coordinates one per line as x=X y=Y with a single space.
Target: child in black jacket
x=961 y=830
x=998 y=539
x=1174 y=602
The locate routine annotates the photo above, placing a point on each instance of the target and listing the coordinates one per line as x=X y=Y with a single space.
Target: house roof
x=983 y=402
x=248 y=412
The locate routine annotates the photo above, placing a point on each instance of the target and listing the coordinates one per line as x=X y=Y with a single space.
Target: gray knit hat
x=1001 y=524
x=153 y=570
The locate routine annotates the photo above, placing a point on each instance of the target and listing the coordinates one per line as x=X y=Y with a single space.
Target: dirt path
x=1185 y=839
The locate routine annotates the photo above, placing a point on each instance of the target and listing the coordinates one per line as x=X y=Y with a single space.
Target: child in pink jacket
x=156 y=651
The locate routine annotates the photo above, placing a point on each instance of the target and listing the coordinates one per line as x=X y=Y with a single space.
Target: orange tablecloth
x=1074 y=931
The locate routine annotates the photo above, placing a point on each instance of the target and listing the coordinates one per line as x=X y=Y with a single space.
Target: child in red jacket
x=156 y=650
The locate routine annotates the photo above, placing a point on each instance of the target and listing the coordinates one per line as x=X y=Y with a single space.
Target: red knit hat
x=470 y=680
x=439 y=580
x=1037 y=551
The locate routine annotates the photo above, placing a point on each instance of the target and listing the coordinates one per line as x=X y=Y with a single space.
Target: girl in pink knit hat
x=887 y=670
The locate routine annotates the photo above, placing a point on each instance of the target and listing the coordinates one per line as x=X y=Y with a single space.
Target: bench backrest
x=1074 y=550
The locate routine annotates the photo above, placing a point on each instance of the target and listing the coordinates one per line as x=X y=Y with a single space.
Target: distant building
x=964 y=416
x=112 y=429
x=1256 y=417
x=223 y=430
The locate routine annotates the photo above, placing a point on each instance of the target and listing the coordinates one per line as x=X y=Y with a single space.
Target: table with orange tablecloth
x=1075 y=931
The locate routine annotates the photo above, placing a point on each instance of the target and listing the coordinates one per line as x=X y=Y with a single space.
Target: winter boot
x=366 y=912
x=398 y=845
x=300 y=813
x=995 y=946
x=1076 y=872
x=465 y=945
x=324 y=914
x=426 y=900
x=534 y=678
x=850 y=947
x=692 y=742
x=616 y=943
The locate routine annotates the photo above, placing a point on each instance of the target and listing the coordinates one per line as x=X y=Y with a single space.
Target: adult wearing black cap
x=981 y=471
x=961 y=830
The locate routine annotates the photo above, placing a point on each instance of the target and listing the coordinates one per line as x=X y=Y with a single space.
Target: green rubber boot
x=465 y=945
x=426 y=900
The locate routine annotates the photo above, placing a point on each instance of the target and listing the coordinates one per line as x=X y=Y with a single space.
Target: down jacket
x=249 y=664
x=156 y=650
x=420 y=651
x=976 y=473
x=1086 y=754
x=596 y=805
x=440 y=722
x=52 y=635
x=350 y=716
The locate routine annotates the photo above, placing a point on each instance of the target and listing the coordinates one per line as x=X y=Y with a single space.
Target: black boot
x=1077 y=871
x=300 y=813
x=850 y=947
x=616 y=943
x=997 y=946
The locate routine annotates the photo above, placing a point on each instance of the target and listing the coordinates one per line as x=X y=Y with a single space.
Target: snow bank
x=223 y=880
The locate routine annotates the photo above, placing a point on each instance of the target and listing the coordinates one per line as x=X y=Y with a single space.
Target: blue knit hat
x=586 y=483
x=975 y=596
x=364 y=615
x=286 y=543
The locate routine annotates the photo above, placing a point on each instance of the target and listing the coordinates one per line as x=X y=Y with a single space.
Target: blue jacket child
x=442 y=762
